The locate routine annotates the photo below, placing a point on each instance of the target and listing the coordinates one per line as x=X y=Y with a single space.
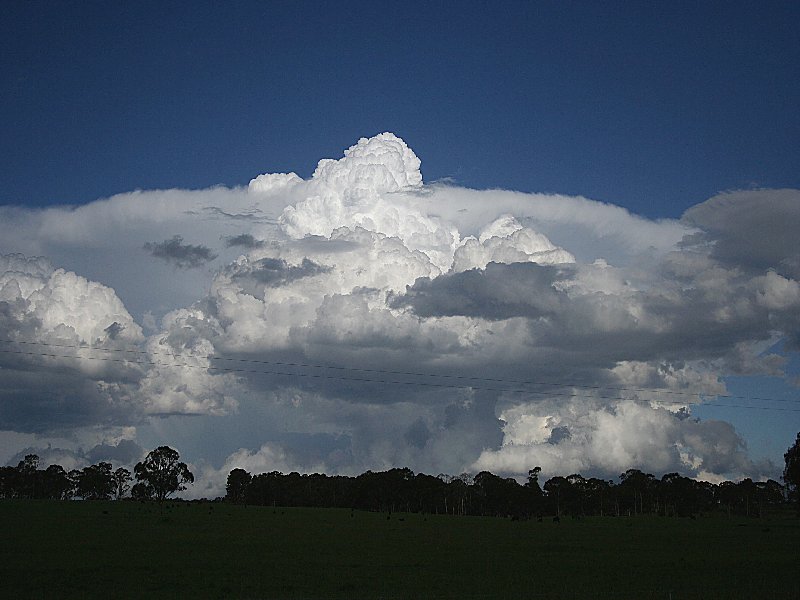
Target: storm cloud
x=368 y=320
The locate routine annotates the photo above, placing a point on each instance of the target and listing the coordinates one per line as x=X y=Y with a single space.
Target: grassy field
x=128 y=549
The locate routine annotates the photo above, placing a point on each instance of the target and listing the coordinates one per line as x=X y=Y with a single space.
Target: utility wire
x=364 y=380
x=390 y=372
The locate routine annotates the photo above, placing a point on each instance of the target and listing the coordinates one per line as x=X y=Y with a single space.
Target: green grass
x=128 y=549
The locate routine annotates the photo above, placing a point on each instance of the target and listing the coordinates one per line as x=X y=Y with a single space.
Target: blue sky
x=657 y=109
x=651 y=107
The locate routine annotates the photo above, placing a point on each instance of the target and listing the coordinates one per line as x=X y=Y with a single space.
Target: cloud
x=500 y=291
x=506 y=241
x=184 y=256
x=48 y=375
x=124 y=452
x=244 y=240
x=69 y=459
x=307 y=344
x=117 y=228
x=365 y=189
x=254 y=276
x=590 y=436
x=653 y=315
x=39 y=302
x=109 y=444
x=210 y=482
x=182 y=378
x=754 y=229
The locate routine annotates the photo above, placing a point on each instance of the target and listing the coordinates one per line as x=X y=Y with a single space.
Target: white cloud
x=506 y=241
x=364 y=268
x=104 y=240
x=182 y=379
x=59 y=303
x=607 y=438
x=779 y=293
x=210 y=482
x=363 y=190
x=48 y=374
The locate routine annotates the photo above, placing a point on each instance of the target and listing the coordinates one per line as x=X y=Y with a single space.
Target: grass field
x=128 y=549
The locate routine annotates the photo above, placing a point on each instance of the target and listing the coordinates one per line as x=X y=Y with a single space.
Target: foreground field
x=128 y=549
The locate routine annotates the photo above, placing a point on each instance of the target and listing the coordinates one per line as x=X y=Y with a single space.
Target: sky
x=307 y=236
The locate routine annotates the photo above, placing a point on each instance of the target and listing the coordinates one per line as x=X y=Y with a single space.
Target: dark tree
x=236 y=488
x=96 y=482
x=533 y=485
x=74 y=476
x=122 y=479
x=791 y=474
x=56 y=484
x=142 y=491
x=598 y=492
x=635 y=486
x=747 y=491
x=26 y=476
x=579 y=491
x=163 y=473
x=768 y=493
x=458 y=490
x=727 y=496
x=489 y=490
x=557 y=488
x=8 y=482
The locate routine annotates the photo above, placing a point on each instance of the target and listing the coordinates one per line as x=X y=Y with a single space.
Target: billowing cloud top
x=41 y=302
x=364 y=189
x=362 y=319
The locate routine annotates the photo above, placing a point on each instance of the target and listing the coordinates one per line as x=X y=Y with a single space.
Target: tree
x=494 y=494
x=56 y=483
x=533 y=481
x=555 y=488
x=8 y=482
x=236 y=488
x=638 y=484
x=74 y=476
x=142 y=491
x=598 y=492
x=162 y=473
x=768 y=493
x=747 y=490
x=96 y=482
x=578 y=492
x=26 y=476
x=121 y=478
x=791 y=474
x=728 y=495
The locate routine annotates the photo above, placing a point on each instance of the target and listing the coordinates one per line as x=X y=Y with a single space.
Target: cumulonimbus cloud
x=336 y=290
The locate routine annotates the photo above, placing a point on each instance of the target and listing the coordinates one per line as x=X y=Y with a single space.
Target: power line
x=377 y=381
x=404 y=373
x=297 y=374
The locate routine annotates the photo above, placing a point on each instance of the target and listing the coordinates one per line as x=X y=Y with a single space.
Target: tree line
x=156 y=477
x=487 y=494
x=162 y=473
